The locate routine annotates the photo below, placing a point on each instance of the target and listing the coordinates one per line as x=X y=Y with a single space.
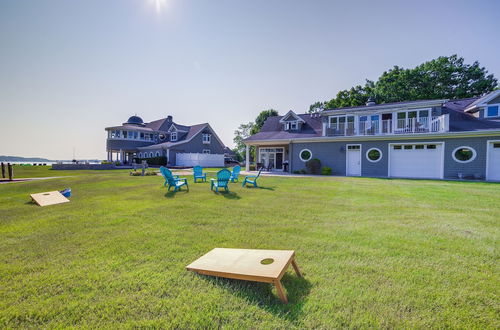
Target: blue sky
x=69 y=68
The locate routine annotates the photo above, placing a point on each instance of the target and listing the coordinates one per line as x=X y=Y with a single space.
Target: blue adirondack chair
x=235 y=173
x=251 y=179
x=222 y=180
x=198 y=174
x=173 y=181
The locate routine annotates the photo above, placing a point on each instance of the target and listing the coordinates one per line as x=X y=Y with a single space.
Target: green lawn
x=374 y=253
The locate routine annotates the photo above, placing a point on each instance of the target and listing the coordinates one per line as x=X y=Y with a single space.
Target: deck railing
x=383 y=127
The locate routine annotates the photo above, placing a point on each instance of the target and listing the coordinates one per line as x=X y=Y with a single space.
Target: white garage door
x=416 y=160
x=493 y=161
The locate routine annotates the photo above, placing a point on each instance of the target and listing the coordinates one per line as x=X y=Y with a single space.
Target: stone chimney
x=169 y=119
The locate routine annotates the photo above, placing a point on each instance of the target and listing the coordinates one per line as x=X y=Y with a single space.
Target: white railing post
x=247 y=158
x=446 y=127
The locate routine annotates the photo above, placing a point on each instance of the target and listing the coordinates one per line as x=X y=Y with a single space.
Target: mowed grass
x=374 y=253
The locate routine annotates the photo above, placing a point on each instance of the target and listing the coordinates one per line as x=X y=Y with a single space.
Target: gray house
x=436 y=139
x=163 y=137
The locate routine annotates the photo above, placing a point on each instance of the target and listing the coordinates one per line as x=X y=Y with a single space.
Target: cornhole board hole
x=49 y=198
x=267 y=266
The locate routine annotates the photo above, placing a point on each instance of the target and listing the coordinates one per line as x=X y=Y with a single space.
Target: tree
x=243 y=131
x=440 y=78
x=316 y=107
x=261 y=118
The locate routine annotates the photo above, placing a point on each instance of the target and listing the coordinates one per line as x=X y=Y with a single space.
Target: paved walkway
x=33 y=179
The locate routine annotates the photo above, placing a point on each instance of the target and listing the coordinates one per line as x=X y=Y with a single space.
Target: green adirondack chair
x=198 y=174
x=173 y=181
x=235 y=173
x=251 y=179
x=222 y=180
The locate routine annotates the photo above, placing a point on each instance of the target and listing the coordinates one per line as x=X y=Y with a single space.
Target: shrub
x=161 y=160
x=252 y=167
x=139 y=173
x=302 y=171
x=117 y=163
x=313 y=166
x=105 y=162
x=325 y=170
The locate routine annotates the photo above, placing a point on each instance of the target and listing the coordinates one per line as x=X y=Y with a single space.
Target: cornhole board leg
x=277 y=282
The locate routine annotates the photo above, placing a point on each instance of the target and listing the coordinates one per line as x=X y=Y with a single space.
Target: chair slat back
x=198 y=171
x=223 y=177
x=236 y=170
x=167 y=174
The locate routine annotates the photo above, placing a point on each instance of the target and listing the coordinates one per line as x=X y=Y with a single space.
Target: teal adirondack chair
x=173 y=181
x=222 y=180
x=198 y=174
x=251 y=179
x=235 y=173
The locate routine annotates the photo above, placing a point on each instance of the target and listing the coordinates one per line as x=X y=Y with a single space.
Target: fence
x=193 y=159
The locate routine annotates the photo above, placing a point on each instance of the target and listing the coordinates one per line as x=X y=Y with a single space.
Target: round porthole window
x=305 y=155
x=374 y=155
x=464 y=154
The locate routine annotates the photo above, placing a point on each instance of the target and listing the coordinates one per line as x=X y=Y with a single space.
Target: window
x=374 y=155
x=125 y=134
x=464 y=154
x=492 y=111
x=206 y=138
x=496 y=145
x=408 y=147
x=151 y=155
x=305 y=155
x=354 y=147
x=431 y=146
x=157 y=154
x=419 y=146
x=162 y=136
x=173 y=136
x=206 y=151
x=397 y=147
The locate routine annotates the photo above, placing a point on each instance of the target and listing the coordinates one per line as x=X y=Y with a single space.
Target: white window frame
x=374 y=161
x=491 y=105
x=206 y=151
x=173 y=136
x=474 y=154
x=407 y=119
x=300 y=155
x=157 y=154
x=151 y=155
x=206 y=138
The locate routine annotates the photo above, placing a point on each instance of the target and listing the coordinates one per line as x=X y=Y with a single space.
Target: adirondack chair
x=222 y=180
x=251 y=179
x=198 y=174
x=173 y=181
x=235 y=173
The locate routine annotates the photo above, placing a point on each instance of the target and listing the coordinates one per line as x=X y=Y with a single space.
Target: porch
x=272 y=158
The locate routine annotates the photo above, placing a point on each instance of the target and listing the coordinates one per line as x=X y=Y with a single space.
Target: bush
x=105 y=162
x=252 y=167
x=161 y=160
x=302 y=171
x=117 y=163
x=139 y=173
x=325 y=170
x=313 y=166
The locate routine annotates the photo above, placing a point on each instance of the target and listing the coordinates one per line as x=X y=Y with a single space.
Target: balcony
x=390 y=127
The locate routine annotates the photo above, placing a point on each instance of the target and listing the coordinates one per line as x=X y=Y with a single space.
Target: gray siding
x=333 y=154
x=196 y=145
x=126 y=144
x=495 y=100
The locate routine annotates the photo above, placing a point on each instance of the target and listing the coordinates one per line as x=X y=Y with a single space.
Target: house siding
x=333 y=154
x=495 y=100
x=196 y=145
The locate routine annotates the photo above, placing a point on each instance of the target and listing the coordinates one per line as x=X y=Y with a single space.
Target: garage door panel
x=494 y=161
x=416 y=161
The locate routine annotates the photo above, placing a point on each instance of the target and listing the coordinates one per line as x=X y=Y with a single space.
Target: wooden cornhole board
x=244 y=264
x=49 y=198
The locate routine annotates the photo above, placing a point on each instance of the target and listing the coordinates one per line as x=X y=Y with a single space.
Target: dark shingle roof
x=273 y=129
x=461 y=121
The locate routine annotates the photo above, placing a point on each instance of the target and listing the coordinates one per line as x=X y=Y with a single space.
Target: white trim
x=474 y=154
x=172 y=136
x=360 y=158
x=300 y=155
x=297 y=118
x=389 y=145
x=491 y=105
x=481 y=102
x=374 y=161
x=388 y=107
x=488 y=143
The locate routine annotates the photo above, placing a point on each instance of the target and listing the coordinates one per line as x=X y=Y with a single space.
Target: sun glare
x=159 y=4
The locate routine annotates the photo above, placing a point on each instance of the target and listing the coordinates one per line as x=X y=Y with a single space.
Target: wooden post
x=143 y=167
x=247 y=158
x=11 y=171
x=3 y=170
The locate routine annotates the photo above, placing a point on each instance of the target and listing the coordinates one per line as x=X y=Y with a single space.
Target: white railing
x=383 y=127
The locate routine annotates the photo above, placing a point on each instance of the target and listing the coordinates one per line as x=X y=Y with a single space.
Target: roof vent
x=370 y=102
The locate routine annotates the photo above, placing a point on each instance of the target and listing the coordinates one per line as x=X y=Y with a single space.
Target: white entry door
x=422 y=160
x=493 y=172
x=353 y=160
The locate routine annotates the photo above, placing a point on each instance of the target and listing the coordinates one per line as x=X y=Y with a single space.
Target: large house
x=164 y=137
x=439 y=139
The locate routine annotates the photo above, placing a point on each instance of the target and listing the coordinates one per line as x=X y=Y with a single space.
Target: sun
x=159 y=4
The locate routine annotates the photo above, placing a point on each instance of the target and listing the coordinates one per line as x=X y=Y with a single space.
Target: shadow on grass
x=261 y=294
x=228 y=194
x=260 y=187
x=171 y=193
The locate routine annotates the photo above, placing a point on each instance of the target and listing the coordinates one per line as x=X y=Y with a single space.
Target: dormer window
x=173 y=136
x=291 y=126
x=206 y=138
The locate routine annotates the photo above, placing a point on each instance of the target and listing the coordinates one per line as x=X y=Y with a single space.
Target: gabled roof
x=480 y=102
x=461 y=121
x=291 y=114
x=273 y=129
